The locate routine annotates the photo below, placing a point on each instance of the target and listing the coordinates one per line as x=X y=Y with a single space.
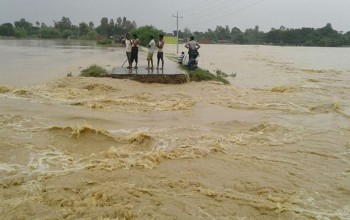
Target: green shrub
x=220 y=73
x=93 y=71
x=49 y=33
x=105 y=42
x=309 y=43
x=20 y=32
x=91 y=35
x=67 y=33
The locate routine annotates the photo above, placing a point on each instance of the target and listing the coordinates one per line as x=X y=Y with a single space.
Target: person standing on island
x=134 y=51
x=192 y=47
x=151 y=49
x=127 y=43
x=160 y=46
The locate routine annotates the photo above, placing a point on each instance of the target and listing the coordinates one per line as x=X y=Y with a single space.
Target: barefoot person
x=151 y=49
x=160 y=46
x=192 y=47
x=127 y=43
x=134 y=51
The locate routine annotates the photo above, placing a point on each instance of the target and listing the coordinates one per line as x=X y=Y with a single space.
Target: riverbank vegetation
x=115 y=29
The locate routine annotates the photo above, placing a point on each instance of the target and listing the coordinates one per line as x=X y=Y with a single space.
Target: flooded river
x=275 y=144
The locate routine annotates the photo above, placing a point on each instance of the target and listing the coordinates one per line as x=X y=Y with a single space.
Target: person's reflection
x=160 y=71
x=130 y=71
x=150 y=71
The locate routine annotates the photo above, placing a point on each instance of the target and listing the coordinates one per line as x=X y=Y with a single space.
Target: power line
x=208 y=11
x=212 y=7
x=190 y=9
x=177 y=31
x=226 y=14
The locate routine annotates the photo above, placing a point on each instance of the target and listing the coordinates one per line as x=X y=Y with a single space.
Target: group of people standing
x=132 y=50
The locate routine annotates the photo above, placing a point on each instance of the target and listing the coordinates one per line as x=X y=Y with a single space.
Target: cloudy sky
x=197 y=15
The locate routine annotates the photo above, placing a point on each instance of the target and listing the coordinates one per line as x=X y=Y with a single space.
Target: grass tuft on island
x=200 y=74
x=94 y=71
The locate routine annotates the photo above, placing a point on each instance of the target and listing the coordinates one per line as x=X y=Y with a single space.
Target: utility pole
x=177 y=31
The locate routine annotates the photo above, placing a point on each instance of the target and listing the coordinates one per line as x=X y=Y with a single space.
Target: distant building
x=118 y=39
x=99 y=37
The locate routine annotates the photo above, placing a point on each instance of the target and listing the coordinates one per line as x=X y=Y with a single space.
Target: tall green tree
x=22 y=23
x=91 y=25
x=327 y=30
x=144 y=34
x=187 y=33
x=110 y=28
x=63 y=24
x=237 y=35
x=223 y=33
x=83 y=28
x=210 y=34
x=102 y=29
x=119 y=22
x=7 y=30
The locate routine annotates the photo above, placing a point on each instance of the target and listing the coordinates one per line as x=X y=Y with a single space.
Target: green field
x=170 y=40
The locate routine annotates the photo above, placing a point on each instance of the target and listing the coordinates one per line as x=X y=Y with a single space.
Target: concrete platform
x=169 y=75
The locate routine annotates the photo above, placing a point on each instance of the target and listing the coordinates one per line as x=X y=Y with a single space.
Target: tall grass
x=94 y=71
x=200 y=74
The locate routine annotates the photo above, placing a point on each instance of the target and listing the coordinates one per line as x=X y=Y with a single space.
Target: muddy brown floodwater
x=275 y=144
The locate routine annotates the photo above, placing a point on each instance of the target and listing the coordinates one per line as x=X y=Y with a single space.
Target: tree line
x=325 y=36
x=65 y=29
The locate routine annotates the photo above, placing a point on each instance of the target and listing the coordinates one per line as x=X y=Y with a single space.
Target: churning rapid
x=275 y=144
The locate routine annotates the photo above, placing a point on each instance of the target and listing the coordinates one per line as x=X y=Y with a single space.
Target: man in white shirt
x=151 y=49
x=127 y=43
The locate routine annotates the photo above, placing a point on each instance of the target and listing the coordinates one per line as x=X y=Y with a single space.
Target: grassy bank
x=200 y=74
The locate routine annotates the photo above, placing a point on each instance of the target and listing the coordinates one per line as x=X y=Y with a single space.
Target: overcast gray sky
x=198 y=15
